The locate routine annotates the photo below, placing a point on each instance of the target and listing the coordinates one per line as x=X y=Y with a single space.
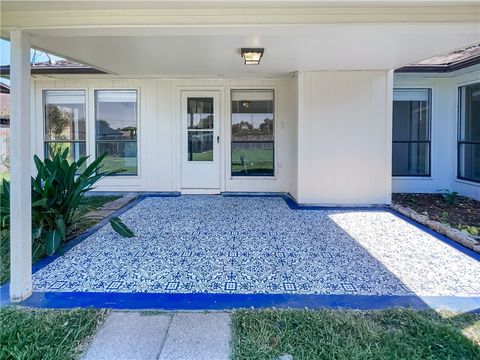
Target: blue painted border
x=209 y=301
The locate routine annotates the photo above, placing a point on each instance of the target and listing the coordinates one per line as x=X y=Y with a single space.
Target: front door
x=200 y=141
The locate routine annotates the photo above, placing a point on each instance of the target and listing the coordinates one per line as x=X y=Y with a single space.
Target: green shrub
x=57 y=192
x=450 y=197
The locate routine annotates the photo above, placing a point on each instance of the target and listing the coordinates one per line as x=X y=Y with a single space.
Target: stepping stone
x=99 y=214
x=112 y=206
x=119 y=203
x=129 y=336
x=198 y=336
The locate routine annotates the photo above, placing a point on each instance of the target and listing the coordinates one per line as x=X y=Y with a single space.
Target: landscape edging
x=454 y=234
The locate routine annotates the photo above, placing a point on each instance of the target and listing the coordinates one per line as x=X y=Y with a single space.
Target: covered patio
x=330 y=67
x=227 y=251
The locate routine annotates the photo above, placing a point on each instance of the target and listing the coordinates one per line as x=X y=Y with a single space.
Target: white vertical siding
x=160 y=135
x=343 y=133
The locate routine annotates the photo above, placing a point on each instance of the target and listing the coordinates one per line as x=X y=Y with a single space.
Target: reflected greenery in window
x=252 y=133
x=116 y=129
x=200 y=120
x=64 y=115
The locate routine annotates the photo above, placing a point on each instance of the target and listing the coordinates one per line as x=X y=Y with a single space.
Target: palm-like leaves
x=57 y=192
x=120 y=227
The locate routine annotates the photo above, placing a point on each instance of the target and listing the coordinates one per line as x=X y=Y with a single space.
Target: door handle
x=218 y=139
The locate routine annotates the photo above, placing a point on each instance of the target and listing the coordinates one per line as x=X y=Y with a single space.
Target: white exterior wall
x=344 y=137
x=159 y=129
x=444 y=125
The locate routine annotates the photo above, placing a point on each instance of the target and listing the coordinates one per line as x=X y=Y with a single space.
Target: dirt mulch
x=466 y=211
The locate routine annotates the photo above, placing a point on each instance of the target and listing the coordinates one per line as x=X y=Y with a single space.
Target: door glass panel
x=200 y=113
x=200 y=129
x=200 y=145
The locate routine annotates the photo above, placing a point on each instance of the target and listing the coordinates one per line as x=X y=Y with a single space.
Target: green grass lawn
x=254 y=161
x=89 y=203
x=4 y=175
x=203 y=156
x=350 y=335
x=46 y=334
x=112 y=163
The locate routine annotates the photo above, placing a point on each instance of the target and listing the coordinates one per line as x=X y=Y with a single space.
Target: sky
x=5 y=56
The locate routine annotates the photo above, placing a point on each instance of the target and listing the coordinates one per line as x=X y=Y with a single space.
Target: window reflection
x=200 y=120
x=252 y=133
x=116 y=129
x=64 y=115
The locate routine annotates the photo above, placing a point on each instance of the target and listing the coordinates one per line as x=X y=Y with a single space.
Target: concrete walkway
x=162 y=336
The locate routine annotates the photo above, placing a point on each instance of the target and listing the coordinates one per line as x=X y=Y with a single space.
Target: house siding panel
x=343 y=126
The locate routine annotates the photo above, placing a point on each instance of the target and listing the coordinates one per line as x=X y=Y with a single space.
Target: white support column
x=20 y=168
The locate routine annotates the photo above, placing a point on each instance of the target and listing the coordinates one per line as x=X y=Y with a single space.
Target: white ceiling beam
x=235 y=16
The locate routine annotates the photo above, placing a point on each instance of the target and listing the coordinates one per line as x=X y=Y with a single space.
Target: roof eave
x=5 y=71
x=445 y=68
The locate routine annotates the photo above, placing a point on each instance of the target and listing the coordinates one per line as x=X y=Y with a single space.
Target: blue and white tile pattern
x=247 y=245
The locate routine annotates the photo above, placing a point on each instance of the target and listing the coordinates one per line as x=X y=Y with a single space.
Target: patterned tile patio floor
x=259 y=245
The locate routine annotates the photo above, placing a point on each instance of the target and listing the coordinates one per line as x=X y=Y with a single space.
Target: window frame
x=94 y=140
x=273 y=89
x=44 y=141
x=428 y=175
x=460 y=142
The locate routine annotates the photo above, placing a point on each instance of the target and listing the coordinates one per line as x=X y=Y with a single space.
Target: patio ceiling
x=202 y=39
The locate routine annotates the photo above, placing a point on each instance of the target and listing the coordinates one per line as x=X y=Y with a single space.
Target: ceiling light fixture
x=252 y=56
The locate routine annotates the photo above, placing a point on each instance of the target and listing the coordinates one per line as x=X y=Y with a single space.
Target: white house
x=443 y=150
x=175 y=104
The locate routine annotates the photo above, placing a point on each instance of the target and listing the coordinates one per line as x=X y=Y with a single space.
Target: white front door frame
x=201 y=176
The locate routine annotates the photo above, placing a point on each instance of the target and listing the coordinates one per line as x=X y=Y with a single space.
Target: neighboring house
x=4 y=104
x=4 y=129
x=5 y=97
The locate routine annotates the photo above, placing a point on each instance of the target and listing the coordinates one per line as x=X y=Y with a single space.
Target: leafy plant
x=450 y=197
x=5 y=229
x=444 y=217
x=120 y=227
x=57 y=193
x=472 y=230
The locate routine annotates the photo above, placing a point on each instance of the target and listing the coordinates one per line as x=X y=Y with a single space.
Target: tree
x=58 y=121
x=267 y=126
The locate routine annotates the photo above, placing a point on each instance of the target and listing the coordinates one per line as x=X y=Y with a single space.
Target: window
x=469 y=133
x=200 y=129
x=64 y=113
x=252 y=133
x=411 y=132
x=116 y=129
